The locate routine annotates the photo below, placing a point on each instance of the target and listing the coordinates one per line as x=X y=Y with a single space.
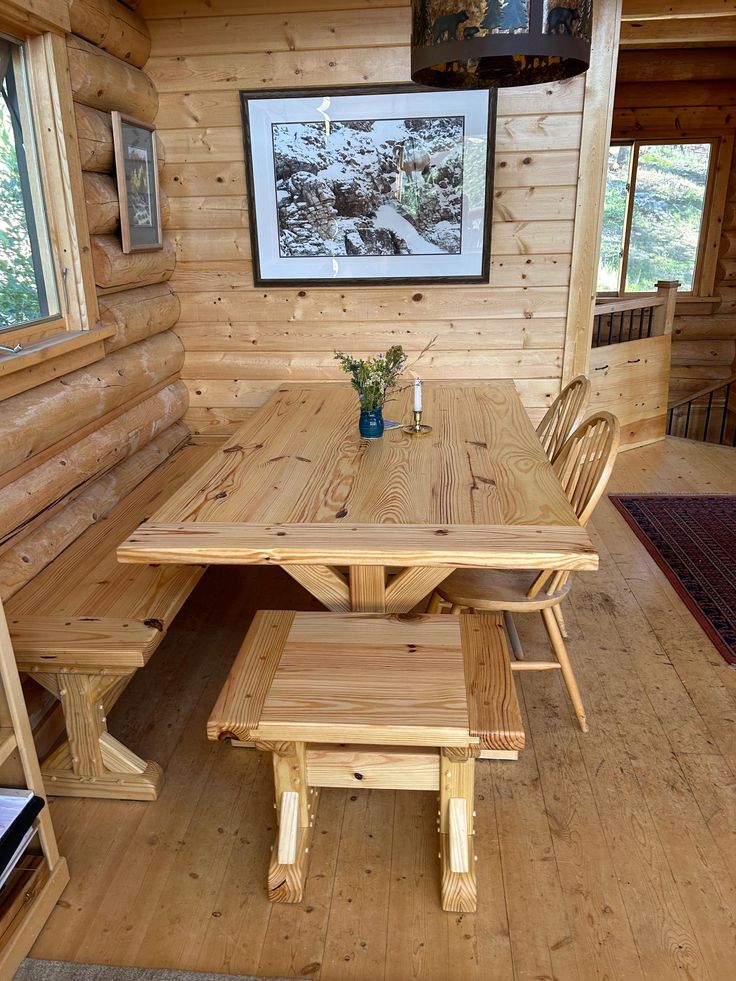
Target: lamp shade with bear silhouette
x=476 y=44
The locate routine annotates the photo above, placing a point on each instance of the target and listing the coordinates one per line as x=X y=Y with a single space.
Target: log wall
x=71 y=447
x=241 y=342
x=698 y=105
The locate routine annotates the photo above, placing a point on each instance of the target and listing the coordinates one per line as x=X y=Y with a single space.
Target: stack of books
x=18 y=812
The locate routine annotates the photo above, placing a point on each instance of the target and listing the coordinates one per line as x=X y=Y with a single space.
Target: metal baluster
x=641 y=321
x=649 y=325
x=599 y=322
x=707 y=417
x=687 y=418
x=725 y=413
x=670 y=417
x=631 y=324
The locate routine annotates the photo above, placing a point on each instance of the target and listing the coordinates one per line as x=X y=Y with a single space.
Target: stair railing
x=634 y=318
x=708 y=416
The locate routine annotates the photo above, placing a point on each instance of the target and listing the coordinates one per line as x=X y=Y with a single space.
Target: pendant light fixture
x=481 y=44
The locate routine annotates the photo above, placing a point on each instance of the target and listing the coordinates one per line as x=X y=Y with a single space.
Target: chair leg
x=558 y=645
x=557 y=610
x=513 y=635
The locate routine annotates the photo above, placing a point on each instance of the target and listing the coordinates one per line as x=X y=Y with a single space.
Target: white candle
x=417 y=394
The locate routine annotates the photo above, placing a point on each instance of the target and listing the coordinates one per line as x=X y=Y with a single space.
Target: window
x=654 y=215
x=27 y=283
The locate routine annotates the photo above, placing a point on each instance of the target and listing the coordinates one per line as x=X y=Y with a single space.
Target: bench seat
x=84 y=625
x=412 y=700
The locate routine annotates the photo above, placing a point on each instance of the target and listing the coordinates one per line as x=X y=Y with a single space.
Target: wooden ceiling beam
x=677 y=65
x=657 y=10
x=676 y=95
x=679 y=33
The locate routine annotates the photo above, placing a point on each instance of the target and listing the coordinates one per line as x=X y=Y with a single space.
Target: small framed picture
x=369 y=185
x=137 y=176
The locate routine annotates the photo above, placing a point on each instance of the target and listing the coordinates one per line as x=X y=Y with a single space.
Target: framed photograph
x=369 y=185
x=137 y=177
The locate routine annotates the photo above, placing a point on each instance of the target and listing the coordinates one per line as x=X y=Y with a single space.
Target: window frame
x=714 y=203
x=77 y=327
x=45 y=267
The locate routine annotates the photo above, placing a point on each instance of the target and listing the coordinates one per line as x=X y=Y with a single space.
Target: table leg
x=410 y=586
x=296 y=806
x=457 y=811
x=372 y=592
x=327 y=584
x=368 y=588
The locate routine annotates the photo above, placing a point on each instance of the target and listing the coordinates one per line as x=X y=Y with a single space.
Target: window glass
x=614 y=218
x=653 y=220
x=27 y=286
x=671 y=181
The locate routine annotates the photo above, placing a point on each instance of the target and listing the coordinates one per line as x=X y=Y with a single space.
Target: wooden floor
x=610 y=855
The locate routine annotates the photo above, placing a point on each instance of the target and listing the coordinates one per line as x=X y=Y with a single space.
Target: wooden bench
x=411 y=699
x=85 y=624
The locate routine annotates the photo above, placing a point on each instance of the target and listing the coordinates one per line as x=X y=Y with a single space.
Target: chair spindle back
x=583 y=465
x=560 y=418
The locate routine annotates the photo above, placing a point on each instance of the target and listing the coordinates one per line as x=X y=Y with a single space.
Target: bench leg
x=296 y=806
x=457 y=811
x=92 y=763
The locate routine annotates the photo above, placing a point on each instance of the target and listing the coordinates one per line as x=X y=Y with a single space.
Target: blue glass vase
x=370 y=423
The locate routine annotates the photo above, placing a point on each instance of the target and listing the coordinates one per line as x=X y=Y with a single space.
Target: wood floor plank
x=355 y=948
x=489 y=930
x=295 y=939
x=237 y=924
x=588 y=877
x=663 y=932
x=714 y=788
x=704 y=883
x=204 y=855
x=414 y=895
x=542 y=946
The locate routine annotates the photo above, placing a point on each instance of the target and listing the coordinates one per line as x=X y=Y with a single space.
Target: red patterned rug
x=693 y=541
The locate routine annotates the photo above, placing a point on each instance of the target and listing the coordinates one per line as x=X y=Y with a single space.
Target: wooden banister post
x=664 y=315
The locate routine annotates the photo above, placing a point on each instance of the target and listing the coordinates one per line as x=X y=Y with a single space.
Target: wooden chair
x=369 y=700
x=583 y=466
x=561 y=417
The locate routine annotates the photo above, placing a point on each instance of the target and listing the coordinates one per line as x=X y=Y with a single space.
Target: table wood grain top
x=296 y=483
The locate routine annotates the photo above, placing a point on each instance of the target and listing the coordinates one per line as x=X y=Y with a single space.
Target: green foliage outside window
x=18 y=293
x=666 y=218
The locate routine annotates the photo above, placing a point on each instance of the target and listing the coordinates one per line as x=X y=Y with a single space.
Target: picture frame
x=136 y=168
x=361 y=185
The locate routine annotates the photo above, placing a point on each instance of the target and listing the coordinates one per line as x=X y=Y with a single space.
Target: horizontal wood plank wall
x=63 y=441
x=704 y=342
x=241 y=342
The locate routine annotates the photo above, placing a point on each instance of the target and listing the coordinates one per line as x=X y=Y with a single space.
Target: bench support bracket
x=92 y=763
x=296 y=805
x=457 y=854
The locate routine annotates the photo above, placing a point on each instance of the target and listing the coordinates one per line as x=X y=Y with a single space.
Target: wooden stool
x=411 y=699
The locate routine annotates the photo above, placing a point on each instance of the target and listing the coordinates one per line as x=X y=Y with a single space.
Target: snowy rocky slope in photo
x=369 y=187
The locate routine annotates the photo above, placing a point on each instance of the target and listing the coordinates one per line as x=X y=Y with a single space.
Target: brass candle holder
x=418 y=428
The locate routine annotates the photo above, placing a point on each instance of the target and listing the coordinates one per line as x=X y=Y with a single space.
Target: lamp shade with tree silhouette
x=494 y=43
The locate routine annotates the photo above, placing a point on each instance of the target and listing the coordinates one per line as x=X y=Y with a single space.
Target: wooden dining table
x=373 y=525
